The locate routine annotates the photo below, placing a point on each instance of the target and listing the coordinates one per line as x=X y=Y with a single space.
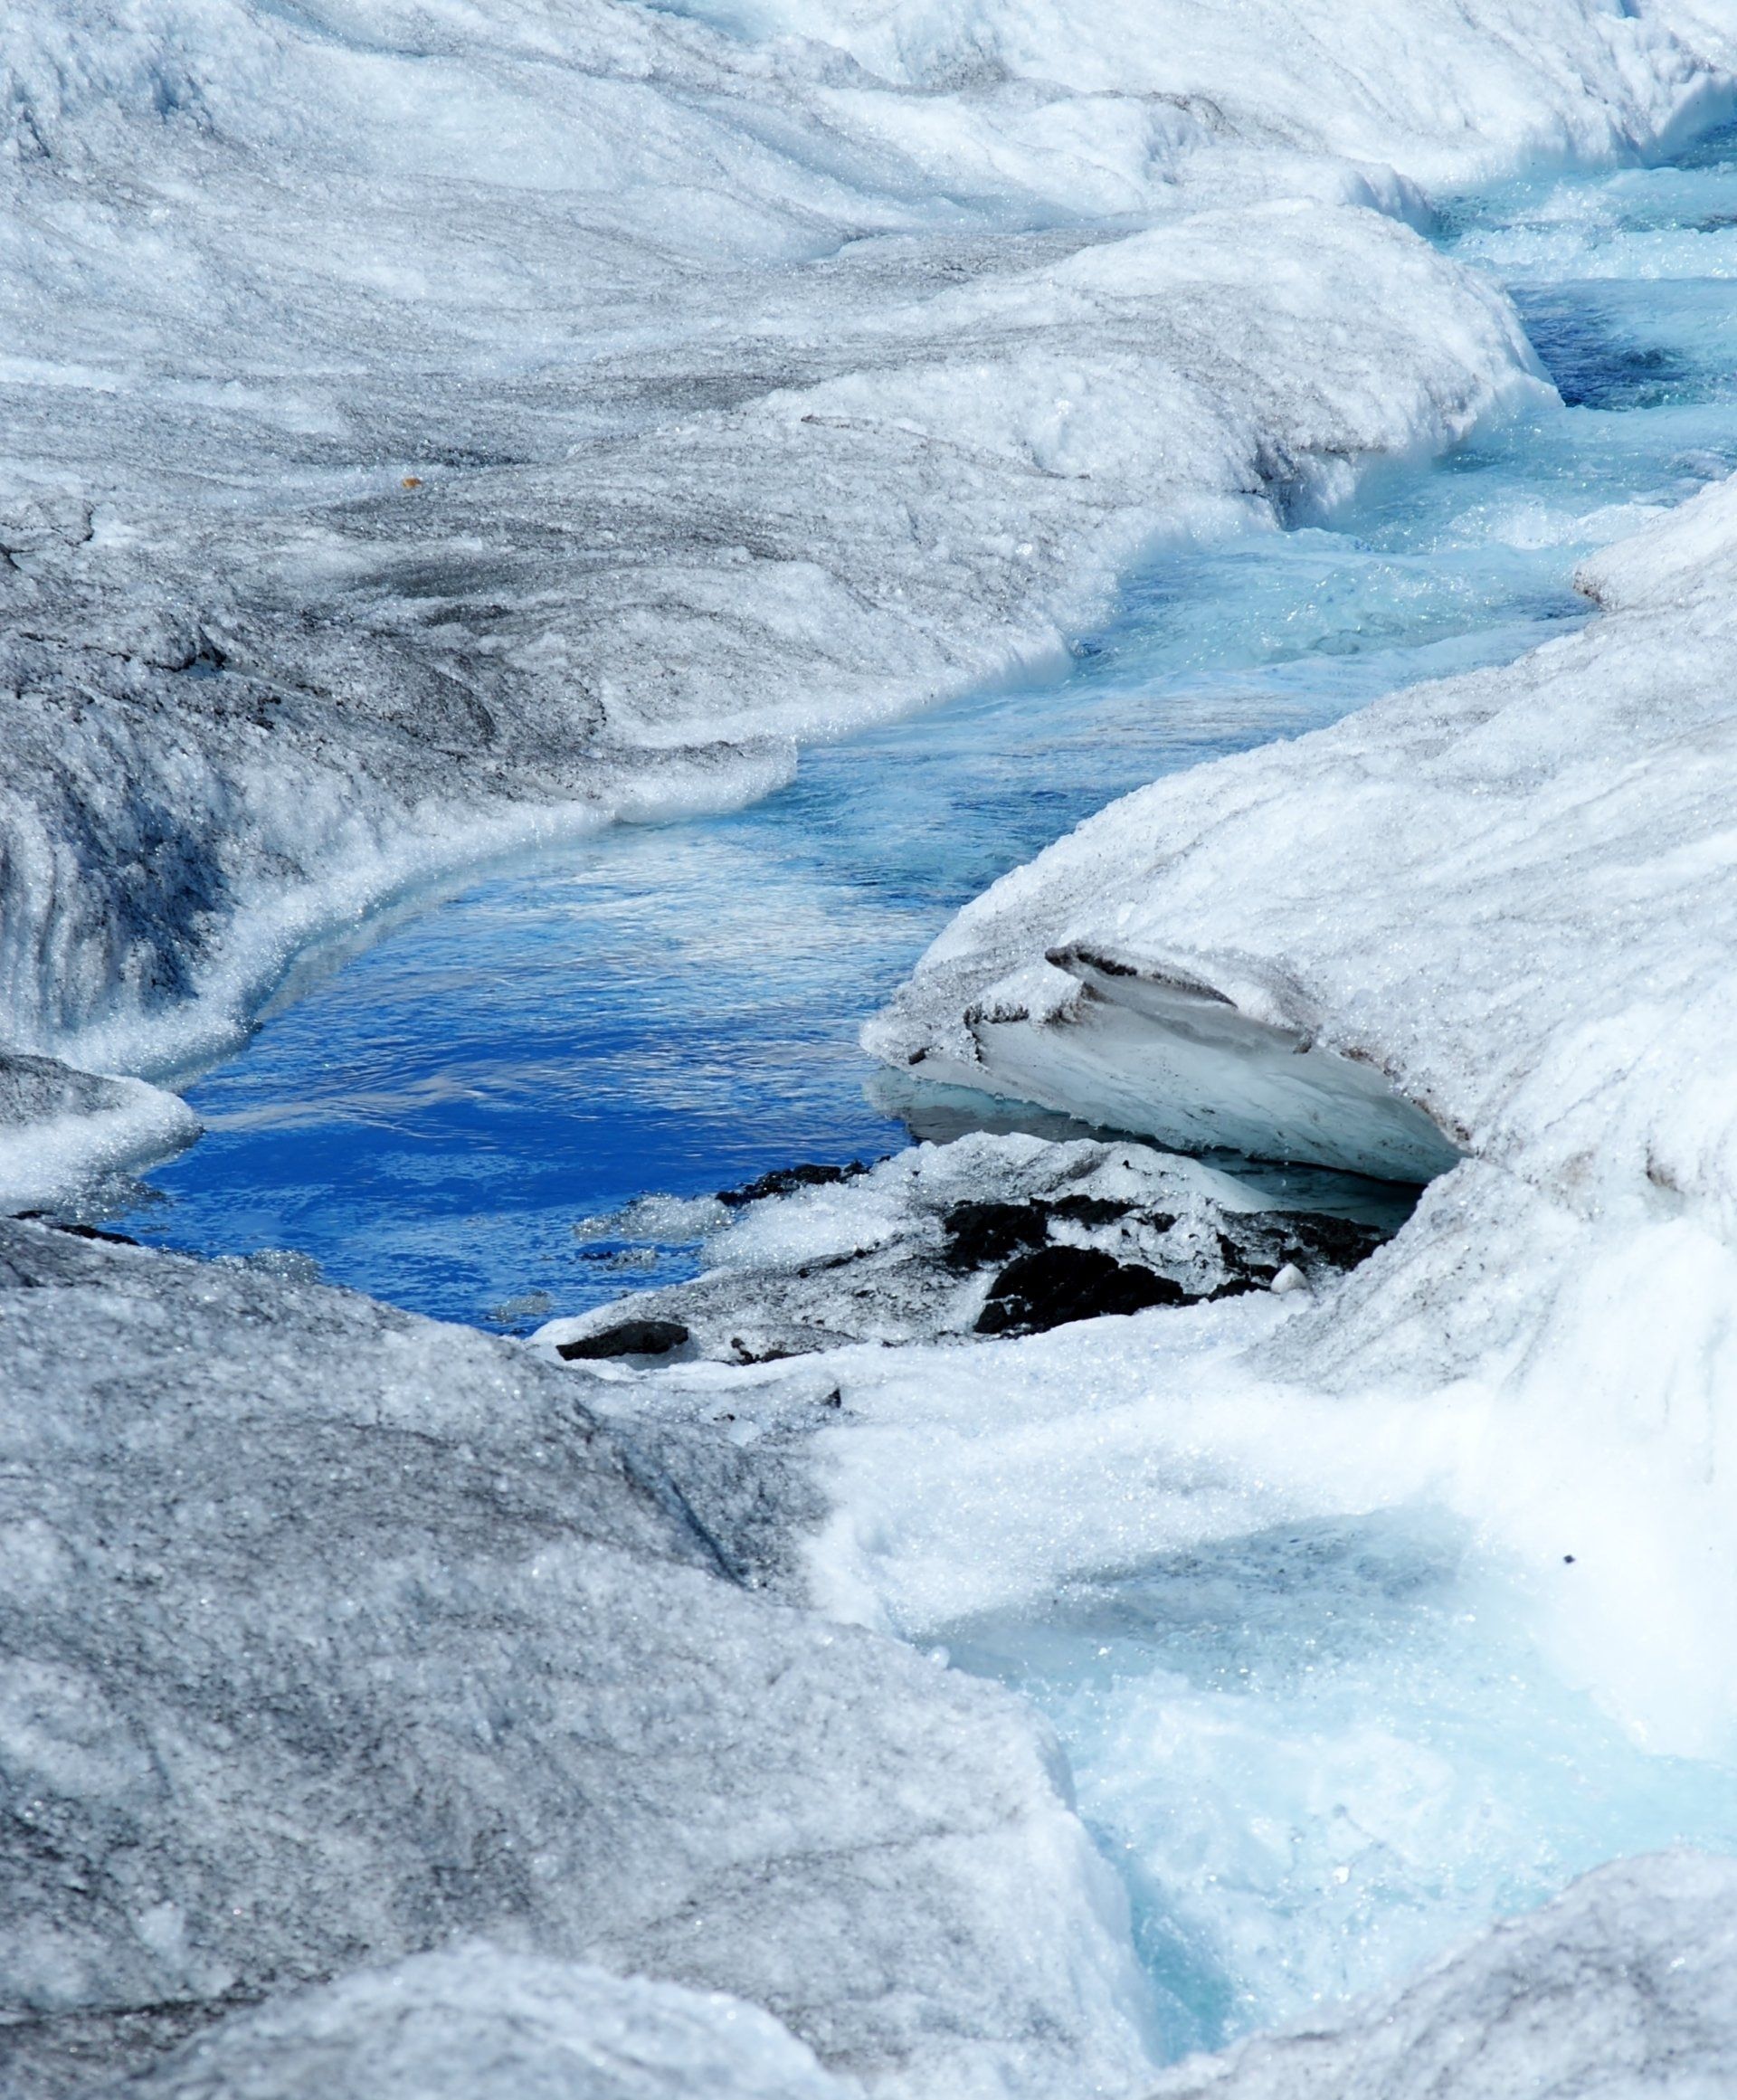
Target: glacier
x=433 y=431
x=342 y=549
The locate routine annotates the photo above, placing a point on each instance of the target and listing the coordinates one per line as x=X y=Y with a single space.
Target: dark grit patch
x=1052 y=1285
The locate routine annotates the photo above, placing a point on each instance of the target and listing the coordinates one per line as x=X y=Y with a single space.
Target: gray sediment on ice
x=332 y=1634
x=984 y=1236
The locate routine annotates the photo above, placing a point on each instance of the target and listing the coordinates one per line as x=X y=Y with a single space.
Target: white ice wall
x=1511 y=894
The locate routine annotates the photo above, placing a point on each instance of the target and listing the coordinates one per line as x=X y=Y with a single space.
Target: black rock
x=629 y=1338
x=784 y=1180
x=1054 y=1284
x=1094 y=1210
x=1338 y=1242
x=980 y=1233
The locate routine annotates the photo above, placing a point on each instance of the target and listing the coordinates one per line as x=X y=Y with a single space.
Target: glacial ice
x=473 y=2023
x=380 y=496
x=1620 y=1987
x=331 y=1633
x=434 y=430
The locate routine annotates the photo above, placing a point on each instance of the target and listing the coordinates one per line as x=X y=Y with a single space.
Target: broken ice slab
x=989 y=1235
x=1140 y=1047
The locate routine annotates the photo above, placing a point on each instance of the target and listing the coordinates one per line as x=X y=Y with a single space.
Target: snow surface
x=472 y=2023
x=1511 y=894
x=753 y=379
x=331 y=1633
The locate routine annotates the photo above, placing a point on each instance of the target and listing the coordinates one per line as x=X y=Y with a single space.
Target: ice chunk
x=986 y=1235
x=1144 y=1045
x=332 y=1634
x=476 y=2023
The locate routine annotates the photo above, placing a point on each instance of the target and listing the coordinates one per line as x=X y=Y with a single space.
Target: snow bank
x=332 y=1634
x=1511 y=896
x=434 y=429
x=472 y=2023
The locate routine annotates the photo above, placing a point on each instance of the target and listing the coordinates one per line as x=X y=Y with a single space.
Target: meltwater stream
x=1318 y=1755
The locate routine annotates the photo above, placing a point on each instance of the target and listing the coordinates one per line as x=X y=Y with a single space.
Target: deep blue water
x=675 y=1009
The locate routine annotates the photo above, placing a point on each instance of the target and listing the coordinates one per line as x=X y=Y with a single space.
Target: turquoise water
x=675 y=1009
x=1323 y=1754
x=1317 y=1756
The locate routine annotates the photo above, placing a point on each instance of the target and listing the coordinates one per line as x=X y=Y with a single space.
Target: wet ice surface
x=675 y=1009
x=1322 y=1755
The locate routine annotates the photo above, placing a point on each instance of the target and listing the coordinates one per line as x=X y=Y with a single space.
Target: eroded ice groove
x=744 y=398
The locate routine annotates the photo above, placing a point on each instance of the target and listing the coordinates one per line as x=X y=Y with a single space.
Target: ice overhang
x=1153 y=1048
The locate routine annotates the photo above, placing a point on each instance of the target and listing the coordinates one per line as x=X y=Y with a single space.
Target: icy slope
x=749 y=384
x=332 y=1634
x=1511 y=896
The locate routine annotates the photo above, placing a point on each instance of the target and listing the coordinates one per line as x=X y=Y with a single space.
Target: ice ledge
x=1151 y=1046
x=60 y=1127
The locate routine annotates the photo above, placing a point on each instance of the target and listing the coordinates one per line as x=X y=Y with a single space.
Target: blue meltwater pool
x=1318 y=1755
